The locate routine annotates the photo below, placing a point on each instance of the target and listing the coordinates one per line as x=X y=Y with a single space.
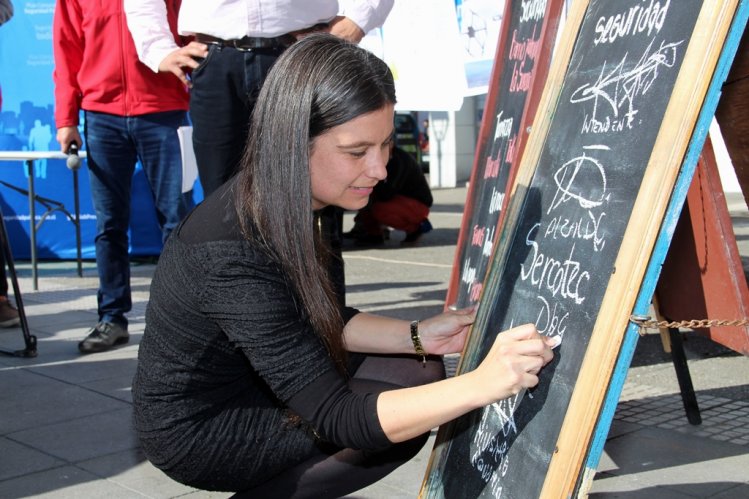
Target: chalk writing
x=570 y=178
x=586 y=227
x=569 y=225
x=496 y=201
x=633 y=21
x=489 y=445
x=549 y=320
x=620 y=87
x=492 y=168
x=488 y=243
x=504 y=127
x=560 y=277
x=533 y=10
x=478 y=235
x=523 y=48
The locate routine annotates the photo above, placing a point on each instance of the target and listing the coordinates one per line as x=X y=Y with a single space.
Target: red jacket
x=97 y=68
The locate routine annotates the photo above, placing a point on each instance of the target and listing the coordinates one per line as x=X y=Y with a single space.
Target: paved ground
x=65 y=428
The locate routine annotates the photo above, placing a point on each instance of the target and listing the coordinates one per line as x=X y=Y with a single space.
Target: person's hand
x=447 y=332
x=345 y=28
x=183 y=57
x=513 y=362
x=68 y=135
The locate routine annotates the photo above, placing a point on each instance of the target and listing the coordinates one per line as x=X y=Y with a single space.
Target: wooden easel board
x=702 y=276
x=520 y=67
x=617 y=113
x=663 y=242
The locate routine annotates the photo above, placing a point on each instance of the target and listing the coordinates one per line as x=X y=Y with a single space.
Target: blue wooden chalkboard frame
x=663 y=241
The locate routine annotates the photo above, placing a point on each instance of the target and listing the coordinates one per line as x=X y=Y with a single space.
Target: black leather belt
x=248 y=43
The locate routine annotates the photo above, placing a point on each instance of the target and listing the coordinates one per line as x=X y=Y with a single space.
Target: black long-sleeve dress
x=226 y=358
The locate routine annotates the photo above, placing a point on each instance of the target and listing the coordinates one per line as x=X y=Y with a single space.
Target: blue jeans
x=114 y=145
x=224 y=89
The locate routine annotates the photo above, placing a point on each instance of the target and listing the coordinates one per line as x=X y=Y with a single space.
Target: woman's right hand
x=513 y=362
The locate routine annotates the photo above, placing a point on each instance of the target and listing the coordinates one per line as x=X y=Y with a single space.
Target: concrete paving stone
x=205 y=494
x=66 y=482
x=84 y=437
x=117 y=387
x=62 y=323
x=132 y=471
x=620 y=427
x=18 y=460
x=740 y=490
x=616 y=488
x=706 y=488
x=662 y=457
x=73 y=299
x=58 y=344
x=62 y=361
x=42 y=401
x=15 y=379
x=717 y=419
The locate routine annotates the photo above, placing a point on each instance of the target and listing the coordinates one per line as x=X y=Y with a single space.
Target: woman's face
x=347 y=161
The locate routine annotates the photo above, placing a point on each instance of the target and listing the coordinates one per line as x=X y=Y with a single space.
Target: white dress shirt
x=234 y=19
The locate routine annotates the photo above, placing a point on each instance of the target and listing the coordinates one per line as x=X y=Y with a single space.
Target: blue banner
x=27 y=124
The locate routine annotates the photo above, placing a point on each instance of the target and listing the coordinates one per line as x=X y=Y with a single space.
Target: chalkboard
x=520 y=68
x=619 y=107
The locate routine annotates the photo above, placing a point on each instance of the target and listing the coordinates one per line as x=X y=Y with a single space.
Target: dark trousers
x=115 y=144
x=225 y=88
x=335 y=473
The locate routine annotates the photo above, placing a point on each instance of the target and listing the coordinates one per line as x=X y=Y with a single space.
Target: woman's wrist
x=416 y=341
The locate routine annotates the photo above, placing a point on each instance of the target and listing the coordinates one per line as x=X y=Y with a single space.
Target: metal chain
x=645 y=322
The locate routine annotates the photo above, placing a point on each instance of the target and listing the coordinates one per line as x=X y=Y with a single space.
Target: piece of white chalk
x=557 y=341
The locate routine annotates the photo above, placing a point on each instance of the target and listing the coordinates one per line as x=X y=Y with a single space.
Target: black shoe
x=413 y=237
x=367 y=240
x=104 y=336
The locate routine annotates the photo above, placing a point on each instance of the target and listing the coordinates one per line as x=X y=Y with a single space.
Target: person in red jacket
x=131 y=114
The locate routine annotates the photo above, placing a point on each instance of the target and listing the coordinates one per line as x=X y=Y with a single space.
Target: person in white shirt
x=236 y=43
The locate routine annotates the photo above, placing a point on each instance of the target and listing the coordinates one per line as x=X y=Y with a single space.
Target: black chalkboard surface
x=520 y=69
x=592 y=188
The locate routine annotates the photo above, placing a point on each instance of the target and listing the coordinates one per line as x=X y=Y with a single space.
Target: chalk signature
x=582 y=179
x=619 y=87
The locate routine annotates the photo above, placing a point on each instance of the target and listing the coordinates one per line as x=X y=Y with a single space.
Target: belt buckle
x=242 y=48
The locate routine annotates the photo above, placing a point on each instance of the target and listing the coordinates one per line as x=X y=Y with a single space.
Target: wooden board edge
x=529 y=160
x=486 y=120
x=647 y=289
x=671 y=144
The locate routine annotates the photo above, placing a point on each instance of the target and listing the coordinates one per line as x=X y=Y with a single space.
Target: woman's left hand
x=447 y=332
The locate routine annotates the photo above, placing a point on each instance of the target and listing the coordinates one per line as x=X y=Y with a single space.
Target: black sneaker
x=413 y=237
x=104 y=336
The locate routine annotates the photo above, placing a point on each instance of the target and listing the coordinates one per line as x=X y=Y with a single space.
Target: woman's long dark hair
x=320 y=82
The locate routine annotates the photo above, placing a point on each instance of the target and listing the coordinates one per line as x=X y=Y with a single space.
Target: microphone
x=74 y=161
